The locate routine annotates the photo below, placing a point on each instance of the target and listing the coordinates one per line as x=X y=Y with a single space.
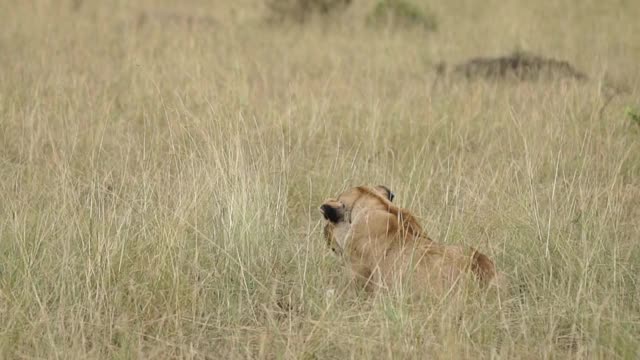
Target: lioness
x=384 y=245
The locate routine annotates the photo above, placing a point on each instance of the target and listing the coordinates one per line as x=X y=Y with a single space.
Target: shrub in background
x=394 y=13
x=302 y=10
x=633 y=114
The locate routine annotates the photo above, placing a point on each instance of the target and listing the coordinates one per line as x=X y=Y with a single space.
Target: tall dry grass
x=160 y=174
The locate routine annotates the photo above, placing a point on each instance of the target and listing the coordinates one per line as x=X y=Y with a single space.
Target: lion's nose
x=325 y=210
x=332 y=213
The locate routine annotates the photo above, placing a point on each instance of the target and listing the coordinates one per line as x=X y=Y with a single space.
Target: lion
x=384 y=245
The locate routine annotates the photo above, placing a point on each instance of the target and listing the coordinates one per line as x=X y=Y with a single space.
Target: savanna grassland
x=162 y=164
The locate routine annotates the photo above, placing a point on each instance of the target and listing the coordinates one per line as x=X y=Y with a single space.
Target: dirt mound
x=518 y=65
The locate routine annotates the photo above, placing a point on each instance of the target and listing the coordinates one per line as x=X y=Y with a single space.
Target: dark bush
x=519 y=65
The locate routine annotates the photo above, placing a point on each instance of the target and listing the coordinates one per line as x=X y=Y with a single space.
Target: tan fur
x=384 y=245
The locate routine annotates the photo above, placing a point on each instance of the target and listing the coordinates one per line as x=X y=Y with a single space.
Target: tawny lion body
x=385 y=246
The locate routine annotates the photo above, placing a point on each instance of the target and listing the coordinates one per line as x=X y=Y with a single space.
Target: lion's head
x=339 y=211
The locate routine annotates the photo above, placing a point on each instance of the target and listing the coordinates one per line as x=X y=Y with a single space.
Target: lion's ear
x=386 y=192
x=333 y=211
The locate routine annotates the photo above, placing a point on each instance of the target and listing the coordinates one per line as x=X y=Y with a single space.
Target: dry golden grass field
x=162 y=163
